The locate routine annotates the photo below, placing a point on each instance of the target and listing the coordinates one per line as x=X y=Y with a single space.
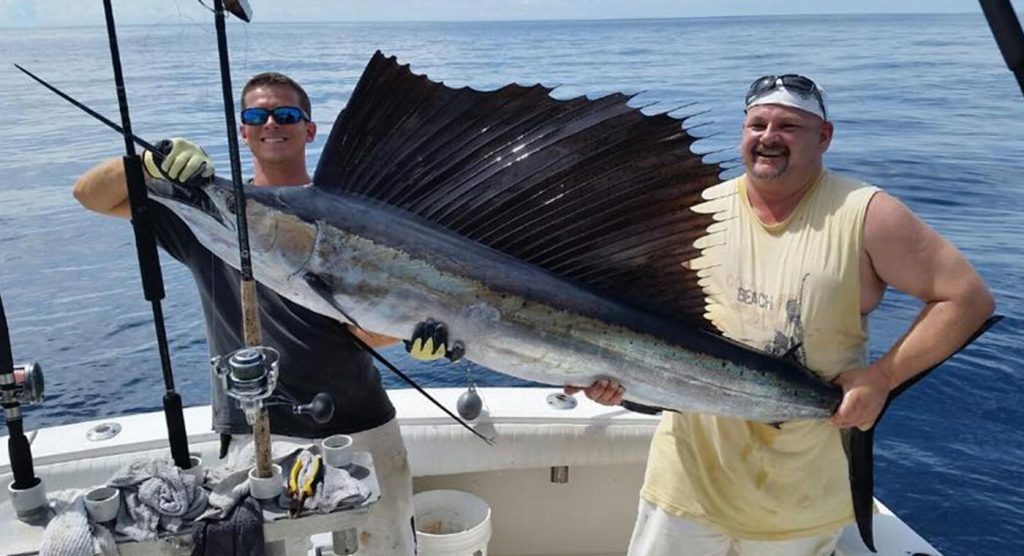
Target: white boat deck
x=592 y=514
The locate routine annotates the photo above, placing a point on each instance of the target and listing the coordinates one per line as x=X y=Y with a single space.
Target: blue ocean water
x=923 y=106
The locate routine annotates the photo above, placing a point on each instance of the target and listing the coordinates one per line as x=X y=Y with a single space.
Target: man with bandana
x=819 y=249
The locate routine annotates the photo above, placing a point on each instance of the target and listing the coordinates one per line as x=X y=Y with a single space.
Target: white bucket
x=451 y=523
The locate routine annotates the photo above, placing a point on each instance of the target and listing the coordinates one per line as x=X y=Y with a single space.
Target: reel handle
x=319 y=409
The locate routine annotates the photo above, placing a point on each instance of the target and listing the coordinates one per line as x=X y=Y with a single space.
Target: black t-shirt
x=317 y=353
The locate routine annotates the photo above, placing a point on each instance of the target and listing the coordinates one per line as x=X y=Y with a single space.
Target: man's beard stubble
x=774 y=172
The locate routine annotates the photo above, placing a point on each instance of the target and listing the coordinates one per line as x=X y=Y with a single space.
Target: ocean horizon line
x=388 y=22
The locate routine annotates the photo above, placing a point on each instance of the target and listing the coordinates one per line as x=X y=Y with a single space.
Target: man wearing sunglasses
x=318 y=353
x=802 y=257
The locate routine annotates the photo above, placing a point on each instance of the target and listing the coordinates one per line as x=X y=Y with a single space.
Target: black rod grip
x=145 y=238
x=20 y=453
x=176 y=434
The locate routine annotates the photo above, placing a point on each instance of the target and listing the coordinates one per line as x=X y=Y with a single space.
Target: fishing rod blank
x=138 y=141
x=1007 y=32
x=149 y=262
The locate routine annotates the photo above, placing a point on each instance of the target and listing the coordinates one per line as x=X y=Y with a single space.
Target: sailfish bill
x=552 y=236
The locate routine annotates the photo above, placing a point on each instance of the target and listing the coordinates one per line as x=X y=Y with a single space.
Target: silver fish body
x=388 y=270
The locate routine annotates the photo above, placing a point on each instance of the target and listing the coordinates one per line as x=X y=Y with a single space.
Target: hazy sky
x=45 y=13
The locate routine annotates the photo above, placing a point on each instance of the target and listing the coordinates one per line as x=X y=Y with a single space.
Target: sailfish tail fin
x=859 y=446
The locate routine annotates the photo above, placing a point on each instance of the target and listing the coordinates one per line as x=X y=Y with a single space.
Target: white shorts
x=659 y=533
x=389 y=529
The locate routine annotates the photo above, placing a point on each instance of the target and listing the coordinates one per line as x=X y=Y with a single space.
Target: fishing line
x=245 y=33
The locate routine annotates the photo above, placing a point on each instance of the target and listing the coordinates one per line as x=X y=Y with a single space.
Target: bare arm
x=908 y=255
x=103 y=189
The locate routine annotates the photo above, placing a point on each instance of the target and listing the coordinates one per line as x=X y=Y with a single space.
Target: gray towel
x=227 y=488
x=339 y=491
x=158 y=497
x=69 y=533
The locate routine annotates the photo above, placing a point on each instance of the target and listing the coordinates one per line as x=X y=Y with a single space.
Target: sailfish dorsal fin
x=593 y=190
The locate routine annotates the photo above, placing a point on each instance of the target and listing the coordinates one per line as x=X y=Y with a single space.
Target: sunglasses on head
x=283 y=115
x=791 y=81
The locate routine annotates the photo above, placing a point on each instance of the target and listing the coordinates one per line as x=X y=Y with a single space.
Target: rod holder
x=29 y=503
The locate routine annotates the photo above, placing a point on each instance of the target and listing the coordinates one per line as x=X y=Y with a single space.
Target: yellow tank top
x=787 y=287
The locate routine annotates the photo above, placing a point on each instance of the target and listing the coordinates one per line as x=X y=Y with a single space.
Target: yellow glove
x=429 y=342
x=183 y=161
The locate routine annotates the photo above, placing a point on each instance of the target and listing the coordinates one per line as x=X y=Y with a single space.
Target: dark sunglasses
x=790 y=81
x=283 y=115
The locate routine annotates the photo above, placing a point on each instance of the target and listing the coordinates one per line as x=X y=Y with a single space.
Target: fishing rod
x=149 y=262
x=255 y=361
x=1007 y=32
x=138 y=141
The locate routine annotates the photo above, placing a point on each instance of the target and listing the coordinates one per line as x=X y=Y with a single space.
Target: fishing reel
x=248 y=375
x=28 y=386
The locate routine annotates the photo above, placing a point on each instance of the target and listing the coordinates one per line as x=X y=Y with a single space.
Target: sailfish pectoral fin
x=859 y=447
x=320 y=287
